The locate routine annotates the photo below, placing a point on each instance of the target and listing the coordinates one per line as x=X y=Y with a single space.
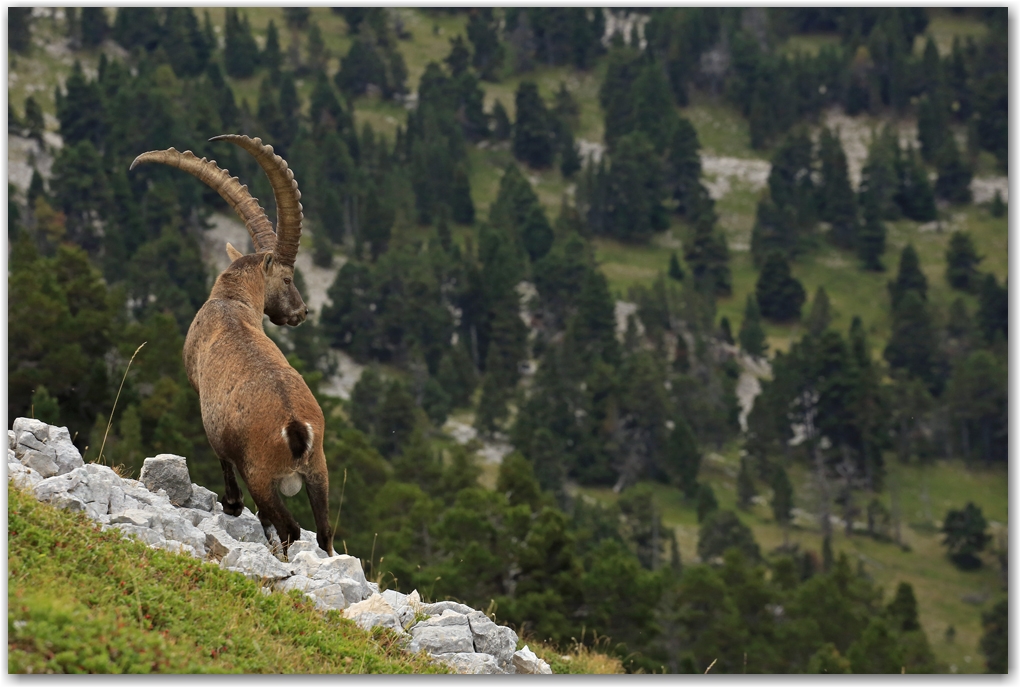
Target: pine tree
x=501 y=121
x=34 y=120
x=745 y=484
x=483 y=32
x=932 y=124
x=782 y=500
x=396 y=419
x=780 y=296
x=570 y=160
x=272 y=56
x=725 y=331
x=995 y=639
x=137 y=26
x=871 y=239
x=532 y=133
x=752 y=336
x=707 y=503
x=961 y=262
x=902 y=610
x=634 y=190
x=836 y=202
x=915 y=195
x=820 y=317
x=909 y=278
x=911 y=344
x=462 y=207
x=683 y=460
x=879 y=178
x=953 y=183
x=94 y=26
x=676 y=272
x=998 y=208
x=240 y=52
x=708 y=257
x=993 y=309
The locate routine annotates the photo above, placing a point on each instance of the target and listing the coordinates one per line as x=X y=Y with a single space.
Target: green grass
x=938 y=585
x=82 y=600
x=944 y=25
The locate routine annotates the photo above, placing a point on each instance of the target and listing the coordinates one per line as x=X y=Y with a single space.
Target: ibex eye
x=286 y=281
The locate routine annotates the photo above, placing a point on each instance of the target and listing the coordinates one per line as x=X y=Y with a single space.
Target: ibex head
x=284 y=304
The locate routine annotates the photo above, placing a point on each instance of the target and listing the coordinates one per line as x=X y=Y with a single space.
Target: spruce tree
x=725 y=331
x=998 y=208
x=683 y=167
x=532 y=132
x=34 y=120
x=914 y=195
x=240 y=52
x=462 y=207
x=707 y=503
x=483 y=32
x=683 y=460
x=993 y=309
x=745 y=484
x=782 y=500
x=879 y=178
x=272 y=56
x=570 y=160
x=501 y=122
x=909 y=277
x=902 y=610
x=820 y=317
x=871 y=239
x=708 y=257
x=953 y=183
x=780 y=296
x=676 y=272
x=911 y=345
x=752 y=336
x=634 y=194
x=94 y=26
x=961 y=262
x=932 y=124
x=836 y=202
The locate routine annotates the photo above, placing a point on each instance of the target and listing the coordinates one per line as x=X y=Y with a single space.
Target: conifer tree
x=94 y=26
x=676 y=272
x=998 y=208
x=902 y=610
x=501 y=121
x=483 y=32
x=240 y=52
x=932 y=123
x=707 y=503
x=836 y=202
x=19 y=28
x=782 y=500
x=683 y=460
x=961 y=262
x=34 y=120
x=272 y=56
x=137 y=26
x=752 y=336
x=915 y=195
x=953 y=183
x=725 y=331
x=780 y=296
x=993 y=309
x=570 y=161
x=879 y=178
x=871 y=239
x=708 y=257
x=745 y=484
x=462 y=207
x=820 y=317
x=909 y=277
x=911 y=344
x=634 y=190
x=532 y=132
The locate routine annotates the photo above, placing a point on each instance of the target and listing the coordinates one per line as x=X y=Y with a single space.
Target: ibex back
x=258 y=413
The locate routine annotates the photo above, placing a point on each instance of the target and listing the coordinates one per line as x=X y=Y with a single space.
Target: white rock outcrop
x=167 y=511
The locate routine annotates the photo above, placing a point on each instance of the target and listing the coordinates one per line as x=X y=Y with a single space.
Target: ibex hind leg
x=233 y=501
x=318 y=497
x=273 y=512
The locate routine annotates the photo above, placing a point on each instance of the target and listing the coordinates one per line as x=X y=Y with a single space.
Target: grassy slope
x=82 y=600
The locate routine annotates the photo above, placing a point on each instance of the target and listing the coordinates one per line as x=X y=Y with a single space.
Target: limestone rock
x=527 y=663
x=441 y=607
x=178 y=528
x=147 y=534
x=255 y=561
x=244 y=527
x=372 y=612
x=495 y=640
x=445 y=634
x=170 y=473
x=201 y=499
x=133 y=516
x=218 y=541
x=407 y=606
x=22 y=477
x=302 y=546
x=470 y=663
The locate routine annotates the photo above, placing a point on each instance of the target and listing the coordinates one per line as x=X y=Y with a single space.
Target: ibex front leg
x=233 y=501
x=318 y=497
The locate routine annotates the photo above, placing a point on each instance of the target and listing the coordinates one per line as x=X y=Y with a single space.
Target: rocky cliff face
x=167 y=511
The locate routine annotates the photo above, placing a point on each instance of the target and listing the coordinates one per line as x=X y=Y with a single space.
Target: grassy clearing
x=940 y=587
x=82 y=600
x=944 y=24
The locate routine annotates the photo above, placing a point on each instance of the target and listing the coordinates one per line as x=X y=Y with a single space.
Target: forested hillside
x=678 y=333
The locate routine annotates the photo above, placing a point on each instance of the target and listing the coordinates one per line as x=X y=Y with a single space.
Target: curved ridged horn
x=285 y=189
x=232 y=191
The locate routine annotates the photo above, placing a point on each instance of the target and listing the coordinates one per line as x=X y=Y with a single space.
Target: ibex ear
x=267 y=263
x=233 y=253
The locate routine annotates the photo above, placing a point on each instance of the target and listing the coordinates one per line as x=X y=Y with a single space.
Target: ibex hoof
x=233 y=507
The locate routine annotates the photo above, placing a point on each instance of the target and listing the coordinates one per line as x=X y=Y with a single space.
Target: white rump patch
x=291 y=484
x=311 y=438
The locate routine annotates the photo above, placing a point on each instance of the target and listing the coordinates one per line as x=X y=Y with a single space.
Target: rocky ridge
x=167 y=511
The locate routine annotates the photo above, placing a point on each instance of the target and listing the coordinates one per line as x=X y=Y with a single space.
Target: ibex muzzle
x=284 y=304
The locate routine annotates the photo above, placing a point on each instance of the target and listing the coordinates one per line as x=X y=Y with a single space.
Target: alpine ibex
x=258 y=413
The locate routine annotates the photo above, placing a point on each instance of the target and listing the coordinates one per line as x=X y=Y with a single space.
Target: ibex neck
x=232 y=287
